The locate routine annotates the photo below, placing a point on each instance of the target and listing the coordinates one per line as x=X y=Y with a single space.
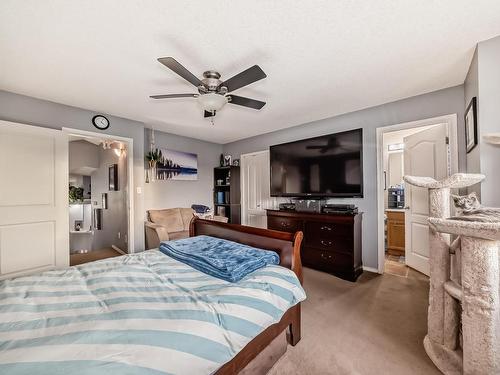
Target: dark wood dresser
x=332 y=243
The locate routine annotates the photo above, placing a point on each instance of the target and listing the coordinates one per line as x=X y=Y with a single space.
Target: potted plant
x=75 y=194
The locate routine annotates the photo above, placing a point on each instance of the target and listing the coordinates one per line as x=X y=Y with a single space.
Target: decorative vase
x=152 y=170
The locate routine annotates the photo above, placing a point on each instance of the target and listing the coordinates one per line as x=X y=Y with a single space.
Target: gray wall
x=438 y=103
x=114 y=218
x=32 y=111
x=169 y=194
x=471 y=89
x=489 y=118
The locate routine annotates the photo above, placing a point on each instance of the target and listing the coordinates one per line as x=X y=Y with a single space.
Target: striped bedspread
x=141 y=314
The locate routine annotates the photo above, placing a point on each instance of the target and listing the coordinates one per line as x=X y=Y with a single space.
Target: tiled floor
x=395 y=265
x=108 y=252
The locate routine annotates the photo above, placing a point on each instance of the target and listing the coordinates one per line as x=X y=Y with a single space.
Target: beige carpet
x=394 y=266
x=108 y=252
x=373 y=326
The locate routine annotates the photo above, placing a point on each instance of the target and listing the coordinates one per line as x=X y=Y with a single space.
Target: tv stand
x=332 y=242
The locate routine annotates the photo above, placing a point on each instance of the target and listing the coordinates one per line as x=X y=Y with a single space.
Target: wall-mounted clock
x=100 y=122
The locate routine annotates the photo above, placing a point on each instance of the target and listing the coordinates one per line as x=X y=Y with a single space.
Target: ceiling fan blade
x=246 y=102
x=167 y=96
x=208 y=114
x=246 y=77
x=175 y=66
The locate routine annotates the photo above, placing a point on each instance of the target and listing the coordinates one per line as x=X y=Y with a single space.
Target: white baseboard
x=118 y=249
x=370 y=269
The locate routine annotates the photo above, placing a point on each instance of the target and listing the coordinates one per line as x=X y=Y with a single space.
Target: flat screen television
x=326 y=166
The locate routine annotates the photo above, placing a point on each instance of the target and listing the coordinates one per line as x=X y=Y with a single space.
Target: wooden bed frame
x=287 y=245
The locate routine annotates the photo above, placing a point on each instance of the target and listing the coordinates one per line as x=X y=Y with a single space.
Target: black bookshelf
x=227 y=193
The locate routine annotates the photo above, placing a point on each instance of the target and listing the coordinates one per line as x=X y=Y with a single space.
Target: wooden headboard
x=287 y=245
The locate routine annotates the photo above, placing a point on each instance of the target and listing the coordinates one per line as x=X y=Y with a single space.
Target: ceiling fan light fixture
x=212 y=102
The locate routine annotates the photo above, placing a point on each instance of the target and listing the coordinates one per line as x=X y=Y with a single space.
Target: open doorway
x=99 y=179
x=421 y=148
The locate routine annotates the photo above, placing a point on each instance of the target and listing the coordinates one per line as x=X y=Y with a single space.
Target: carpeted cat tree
x=463 y=334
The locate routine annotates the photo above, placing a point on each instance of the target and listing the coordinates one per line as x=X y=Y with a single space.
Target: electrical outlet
x=119 y=235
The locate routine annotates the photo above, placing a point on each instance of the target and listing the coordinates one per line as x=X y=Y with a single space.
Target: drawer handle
x=326 y=227
x=326 y=257
x=285 y=224
x=326 y=243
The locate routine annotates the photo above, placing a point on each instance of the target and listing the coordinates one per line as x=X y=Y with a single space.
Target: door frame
x=243 y=161
x=451 y=121
x=130 y=171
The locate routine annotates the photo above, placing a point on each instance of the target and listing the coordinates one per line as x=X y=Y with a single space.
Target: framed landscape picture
x=471 y=125
x=176 y=165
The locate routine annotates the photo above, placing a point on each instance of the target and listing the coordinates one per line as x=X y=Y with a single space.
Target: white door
x=255 y=188
x=34 y=225
x=425 y=154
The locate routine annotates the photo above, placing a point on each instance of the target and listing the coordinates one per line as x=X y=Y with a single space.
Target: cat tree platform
x=463 y=334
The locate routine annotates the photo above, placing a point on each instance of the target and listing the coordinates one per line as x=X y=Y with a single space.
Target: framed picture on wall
x=113 y=177
x=471 y=125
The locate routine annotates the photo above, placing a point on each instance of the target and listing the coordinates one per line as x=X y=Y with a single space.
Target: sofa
x=171 y=224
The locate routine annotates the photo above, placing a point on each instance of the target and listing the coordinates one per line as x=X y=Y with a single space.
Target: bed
x=147 y=313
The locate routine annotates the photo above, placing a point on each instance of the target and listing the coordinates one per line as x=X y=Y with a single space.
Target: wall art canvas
x=176 y=165
x=113 y=177
x=471 y=125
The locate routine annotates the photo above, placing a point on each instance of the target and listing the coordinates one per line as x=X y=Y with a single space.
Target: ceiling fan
x=213 y=93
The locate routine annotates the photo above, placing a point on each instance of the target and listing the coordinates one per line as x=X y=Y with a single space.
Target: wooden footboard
x=287 y=245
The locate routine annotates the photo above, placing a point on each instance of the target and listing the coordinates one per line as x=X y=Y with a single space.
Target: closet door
x=426 y=155
x=255 y=188
x=34 y=228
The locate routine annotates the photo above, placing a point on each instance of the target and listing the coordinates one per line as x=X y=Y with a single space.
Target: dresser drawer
x=342 y=244
x=329 y=236
x=326 y=260
x=330 y=230
x=284 y=224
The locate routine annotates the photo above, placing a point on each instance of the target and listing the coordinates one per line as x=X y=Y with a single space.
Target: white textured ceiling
x=322 y=58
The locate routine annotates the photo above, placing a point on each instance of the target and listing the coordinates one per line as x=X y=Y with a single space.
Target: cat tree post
x=444 y=310
x=479 y=294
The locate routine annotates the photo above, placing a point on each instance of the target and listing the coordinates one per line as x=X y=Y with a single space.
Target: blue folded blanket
x=227 y=260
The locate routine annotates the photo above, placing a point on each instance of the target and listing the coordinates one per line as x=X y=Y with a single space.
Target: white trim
x=130 y=167
x=451 y=121
x=370 y=269
x=243 y=158
x=253 y=153
x=118 y=249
